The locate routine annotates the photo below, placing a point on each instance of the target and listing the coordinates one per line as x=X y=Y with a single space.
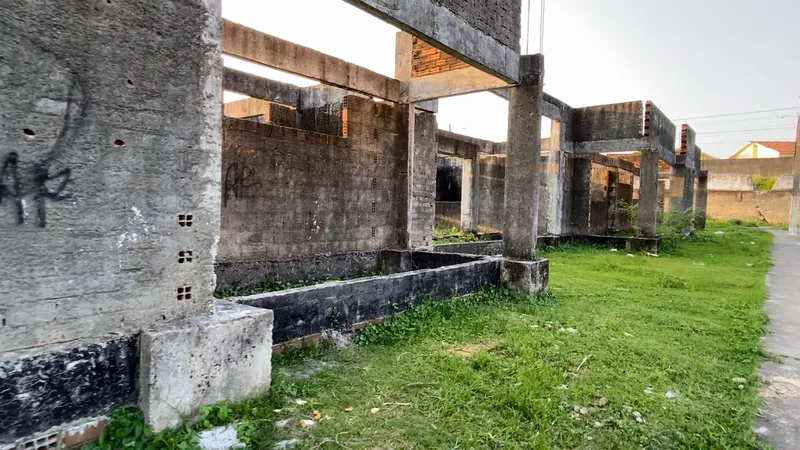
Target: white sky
x=692 y=58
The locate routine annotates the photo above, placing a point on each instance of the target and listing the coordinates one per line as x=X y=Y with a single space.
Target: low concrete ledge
x=338 y=305
x=488 y=248
x=651 y=245
x=204 y=360
x=526 y=277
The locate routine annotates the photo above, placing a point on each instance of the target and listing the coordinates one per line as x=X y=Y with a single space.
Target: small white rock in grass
x=752 y=243
x=749 y=265
x=300 y=402
x=628 y=335
x=638 y=416
x=670 y=395
x=307 y=423
x=739 y=380
x=375 y=410
x=648 y=391
x=631 y=255
x=654 y=255
x=572 y=331
x=283 y=423
x=719 y=232
x=614 y=250
x=220 y=438
x=741 y=387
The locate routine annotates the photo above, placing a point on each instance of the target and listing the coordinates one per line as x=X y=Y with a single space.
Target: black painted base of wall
x=313 y=268
x=50 y=389
x=651 y=245
x=340 y=304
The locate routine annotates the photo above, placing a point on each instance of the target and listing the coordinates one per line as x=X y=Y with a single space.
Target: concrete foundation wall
x=110 y=149
x=288 y=193
x=339 y=305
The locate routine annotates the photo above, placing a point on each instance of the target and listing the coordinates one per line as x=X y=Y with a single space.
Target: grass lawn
x=619 y=337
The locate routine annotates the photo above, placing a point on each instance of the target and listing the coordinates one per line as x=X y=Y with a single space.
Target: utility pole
x=796 y=183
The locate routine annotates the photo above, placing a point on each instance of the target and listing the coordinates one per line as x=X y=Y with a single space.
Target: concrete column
x=470 y=177
x=611 y=198
x=677 y=187
x=552 y=185
x=649 y=203
x=421 y=146
x=701 y=201
x=581 y=188
x=520 y=270
x=524 y=161
x=793 y=216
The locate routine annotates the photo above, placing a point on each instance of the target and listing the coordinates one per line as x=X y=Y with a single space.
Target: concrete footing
x=204 y=360
x=527 y=277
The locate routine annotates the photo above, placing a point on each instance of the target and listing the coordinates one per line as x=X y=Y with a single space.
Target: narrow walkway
x=779 y=422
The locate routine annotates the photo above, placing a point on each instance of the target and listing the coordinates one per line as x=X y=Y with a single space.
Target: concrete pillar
x=701 y=201
x=470 y=177
x=524 y=161
x=581 y=188
x=520 y=270
x=793 y=216
x=552 y=185
x=649 y=202
x=677 y=187
x=611 y=199
x=421 y=146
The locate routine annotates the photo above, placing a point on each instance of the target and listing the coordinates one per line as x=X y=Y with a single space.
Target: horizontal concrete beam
x=259 y=87
x=261 y=48
x=443 y=29
x=486 y=147
x=607 y=122
x=552 y=108
x=448 y=84
x=613 y=146
x=610 y=161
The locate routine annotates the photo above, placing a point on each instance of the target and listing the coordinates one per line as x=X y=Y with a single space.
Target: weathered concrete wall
x=606 y=122
x=262 y=111
x=340 y=304
x=657 y=125
x=774 y=167
x=288 y=193
x=492 y=193
x=308 y=268
x=772 y=207
x=108 y=169
x=422 y=191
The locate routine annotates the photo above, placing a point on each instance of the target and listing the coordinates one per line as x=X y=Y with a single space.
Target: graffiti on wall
x=239 y=178
x=33 y=171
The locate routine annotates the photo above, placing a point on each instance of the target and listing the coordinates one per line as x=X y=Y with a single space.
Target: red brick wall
x=429 y=60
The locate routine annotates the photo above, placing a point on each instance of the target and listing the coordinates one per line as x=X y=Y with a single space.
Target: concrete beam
x=261 y=48
x=443 y=29
x=448 y=84
x=460 y=146
x=612 y=146
x=258 y=87
x=618 y=121
x=610 y=161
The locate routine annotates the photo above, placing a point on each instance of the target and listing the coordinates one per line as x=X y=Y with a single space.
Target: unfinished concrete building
x=126 y=199
x=597 y=159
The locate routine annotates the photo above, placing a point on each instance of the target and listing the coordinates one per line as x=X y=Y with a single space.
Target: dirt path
x=779 y=422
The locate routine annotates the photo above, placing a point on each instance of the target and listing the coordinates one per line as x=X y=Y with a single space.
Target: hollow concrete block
x=204 y=360
x=526 y=277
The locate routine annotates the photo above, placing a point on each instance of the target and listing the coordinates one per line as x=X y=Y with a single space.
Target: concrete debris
x=598 y=424
x=654 y=255
x=300 y=402
x=628 y=335
x=614 y=250
x=337 y=338
x=719 y=232
x=375 y=410
x=631 y=255
x=638 y=416
x=749 y=265
x=572 y=331
x=602 y=402
x=220 y=438
x=648 y=391
x=307 y=423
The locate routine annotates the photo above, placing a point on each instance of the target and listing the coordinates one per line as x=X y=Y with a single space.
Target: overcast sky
x=692 y=58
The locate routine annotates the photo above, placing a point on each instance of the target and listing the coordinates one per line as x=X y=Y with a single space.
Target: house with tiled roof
x=765 y=149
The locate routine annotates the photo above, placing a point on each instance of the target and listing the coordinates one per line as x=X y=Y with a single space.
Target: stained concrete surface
x=779 y=418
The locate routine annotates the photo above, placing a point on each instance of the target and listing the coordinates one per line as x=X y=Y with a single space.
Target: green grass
x=692 y=329
x=764 y=184
x=564 y=370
